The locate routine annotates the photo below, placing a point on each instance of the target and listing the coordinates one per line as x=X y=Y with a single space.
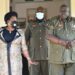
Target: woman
x=12 y=44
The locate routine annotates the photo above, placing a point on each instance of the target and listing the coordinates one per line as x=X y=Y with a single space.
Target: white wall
x=4 y=8
x=73 y=8
x=52 y=7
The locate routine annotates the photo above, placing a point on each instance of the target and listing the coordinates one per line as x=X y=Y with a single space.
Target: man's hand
x=56 y=40
x=73 y=42
x=66 y=44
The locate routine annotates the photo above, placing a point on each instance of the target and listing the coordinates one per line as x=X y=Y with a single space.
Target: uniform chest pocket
x=72 y=27
x=59 y=27
x=35 y=29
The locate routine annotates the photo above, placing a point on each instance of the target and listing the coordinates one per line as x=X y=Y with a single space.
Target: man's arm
x=58 y=41
x=27 y=35
x=52 y=38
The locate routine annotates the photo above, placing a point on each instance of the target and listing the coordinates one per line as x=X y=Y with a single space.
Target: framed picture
x=37 y=0
x=29 y=0
x=21 y=23
x=31 y=13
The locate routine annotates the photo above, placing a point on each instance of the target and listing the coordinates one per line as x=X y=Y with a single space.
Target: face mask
x=39 y=15
x=14 y=23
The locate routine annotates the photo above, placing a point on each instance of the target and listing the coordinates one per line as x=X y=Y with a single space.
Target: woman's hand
x=30 y=62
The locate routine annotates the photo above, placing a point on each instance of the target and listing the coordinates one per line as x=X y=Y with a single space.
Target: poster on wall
x=21 y=23
x=38 y=0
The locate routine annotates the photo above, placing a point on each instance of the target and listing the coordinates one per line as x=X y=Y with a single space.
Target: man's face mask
x=14 y=23
x=40 y=15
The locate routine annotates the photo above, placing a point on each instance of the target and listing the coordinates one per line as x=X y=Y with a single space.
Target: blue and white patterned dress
x=10 y=54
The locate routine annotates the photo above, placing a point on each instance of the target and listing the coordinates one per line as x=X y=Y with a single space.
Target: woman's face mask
x=14 y=23
x=40 y=15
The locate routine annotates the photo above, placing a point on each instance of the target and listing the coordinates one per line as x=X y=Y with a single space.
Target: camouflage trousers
x=62 y=69
x=40 y=69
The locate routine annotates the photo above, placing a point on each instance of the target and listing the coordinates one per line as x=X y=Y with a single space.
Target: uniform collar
x=68 y=19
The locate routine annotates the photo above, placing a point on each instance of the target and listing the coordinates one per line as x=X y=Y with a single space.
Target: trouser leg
x=44 y=67
x=70 y=69
x=56 y=69
x=40 y=69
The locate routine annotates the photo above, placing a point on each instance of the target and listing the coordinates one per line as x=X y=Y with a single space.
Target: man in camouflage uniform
x=38 y=48
x=62 y=43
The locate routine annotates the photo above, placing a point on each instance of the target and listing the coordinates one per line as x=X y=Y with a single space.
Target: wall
x=4 y=7
x=52 y=7
x=73 y=8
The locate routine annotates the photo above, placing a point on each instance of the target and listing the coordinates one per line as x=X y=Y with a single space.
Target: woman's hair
x=9 y=15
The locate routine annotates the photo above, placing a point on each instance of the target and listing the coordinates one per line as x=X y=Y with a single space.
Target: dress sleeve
x=23 y=42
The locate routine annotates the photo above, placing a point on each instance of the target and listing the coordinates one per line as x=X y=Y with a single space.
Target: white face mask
x=40 y=15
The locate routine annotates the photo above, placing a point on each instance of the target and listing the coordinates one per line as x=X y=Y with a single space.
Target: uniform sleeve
x=74 y=20
x=23 y=42
x=27 y=34
x=51 y=26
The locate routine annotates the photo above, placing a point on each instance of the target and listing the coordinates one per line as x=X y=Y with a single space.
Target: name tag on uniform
x=60 y=26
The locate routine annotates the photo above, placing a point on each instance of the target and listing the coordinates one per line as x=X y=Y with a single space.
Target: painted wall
x=52 y=7
x=4 y=7
x=72 y=8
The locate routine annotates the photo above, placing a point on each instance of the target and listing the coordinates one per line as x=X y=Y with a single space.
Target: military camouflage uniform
x=62 y=60
x=38 y=47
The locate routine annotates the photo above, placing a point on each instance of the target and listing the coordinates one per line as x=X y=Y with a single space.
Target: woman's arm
x=25 y=50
